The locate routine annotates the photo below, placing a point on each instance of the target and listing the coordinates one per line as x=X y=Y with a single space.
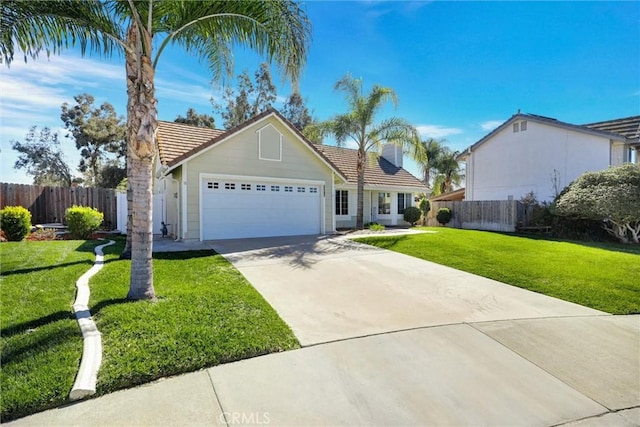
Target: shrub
x=444 y=216
x=611 y=196
x=374 y=226
x=425 y=206
x=412 y=215
x=83 y=221
x=15 y=221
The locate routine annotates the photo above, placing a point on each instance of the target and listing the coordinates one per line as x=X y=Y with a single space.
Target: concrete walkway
x=391 y=340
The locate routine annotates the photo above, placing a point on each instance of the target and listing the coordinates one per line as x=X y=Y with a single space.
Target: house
x=452 y=196
x=263 y=178
x=540 y=154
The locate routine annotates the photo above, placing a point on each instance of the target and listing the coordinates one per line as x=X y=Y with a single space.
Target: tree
x=110 y=174
x=449 y=172
x=427 y=153
x=195 y=119
x=250 y=99
x=296 y=112
x=358 y=125
x=142 y=30
x=42 y=158
x=265 y=91
x=611 y=196
x=97 y=131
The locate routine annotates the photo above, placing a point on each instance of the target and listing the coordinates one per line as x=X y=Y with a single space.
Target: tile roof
x=178 y=141
x=629 y=127
x=378 y=171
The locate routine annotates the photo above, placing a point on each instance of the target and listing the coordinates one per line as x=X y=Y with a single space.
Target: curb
x=85 y=384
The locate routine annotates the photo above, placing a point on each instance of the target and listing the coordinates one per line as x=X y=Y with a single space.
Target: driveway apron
x=330 y=289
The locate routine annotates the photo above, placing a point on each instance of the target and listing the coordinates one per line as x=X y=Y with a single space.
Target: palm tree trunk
x=360 y=189
x=126 y=253
x=142 y=125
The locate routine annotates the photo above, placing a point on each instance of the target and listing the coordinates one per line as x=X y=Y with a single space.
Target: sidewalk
x=393 y=340
x=539 y=372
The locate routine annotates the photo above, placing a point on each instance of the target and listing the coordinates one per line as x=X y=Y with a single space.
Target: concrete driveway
x=330 y=289
x=390 y=340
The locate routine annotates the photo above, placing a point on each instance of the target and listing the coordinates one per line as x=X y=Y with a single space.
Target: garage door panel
x=238 y=209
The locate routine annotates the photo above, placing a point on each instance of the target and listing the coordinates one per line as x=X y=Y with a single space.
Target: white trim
x=414 y=190
x=279 y=159
x=184 y=219
x=333 y=202
x=260 y=178
x=323 y=210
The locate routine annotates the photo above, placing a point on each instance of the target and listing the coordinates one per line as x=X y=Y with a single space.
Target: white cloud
x=491 y=124
x=32 y=92
x=437 y=131
x=177 y=91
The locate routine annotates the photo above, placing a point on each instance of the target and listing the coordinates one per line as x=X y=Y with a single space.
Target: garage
x=255 y=207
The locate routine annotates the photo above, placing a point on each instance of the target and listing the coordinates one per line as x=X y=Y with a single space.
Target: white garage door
x=234 y=209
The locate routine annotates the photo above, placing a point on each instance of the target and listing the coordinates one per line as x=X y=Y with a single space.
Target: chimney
x=393 y=154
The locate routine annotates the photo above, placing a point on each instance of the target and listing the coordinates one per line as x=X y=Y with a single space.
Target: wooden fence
x=493 y=215
x=48 y=204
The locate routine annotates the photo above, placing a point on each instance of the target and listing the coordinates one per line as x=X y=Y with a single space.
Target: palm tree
x=426 y=153
x=358 y=125
x=449 y=172
x=278 y=29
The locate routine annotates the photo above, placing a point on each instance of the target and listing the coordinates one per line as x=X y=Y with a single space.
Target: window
x=275 y=188
x=261 y=187
x=342 y=202
x=384 y=203
x=229 y=186
x=212 y=185
x=516 y=127
x=245 y=187
x=313 y=189
x=523 y=125
x=288 y=189
x=301 y=189
x=404 y=201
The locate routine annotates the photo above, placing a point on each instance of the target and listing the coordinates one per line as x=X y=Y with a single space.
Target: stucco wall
x=515 y=163
x=239 y=156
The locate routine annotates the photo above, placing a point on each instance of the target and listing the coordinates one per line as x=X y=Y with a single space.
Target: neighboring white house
x=540 y=154
x=263 y=178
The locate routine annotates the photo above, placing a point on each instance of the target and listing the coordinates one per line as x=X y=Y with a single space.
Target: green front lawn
x=207 y=314
x=603 y=276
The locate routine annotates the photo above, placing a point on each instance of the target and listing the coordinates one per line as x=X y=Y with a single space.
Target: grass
x=603 y=276
x=207 y=314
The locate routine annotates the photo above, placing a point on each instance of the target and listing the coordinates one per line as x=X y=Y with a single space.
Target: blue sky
x=458 y=68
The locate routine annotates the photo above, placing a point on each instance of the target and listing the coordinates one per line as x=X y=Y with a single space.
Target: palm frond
x=278 y=29
x=54 y=25
x=352 y=89
x=377 y=98
x=392 y=130
x=342 y=127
